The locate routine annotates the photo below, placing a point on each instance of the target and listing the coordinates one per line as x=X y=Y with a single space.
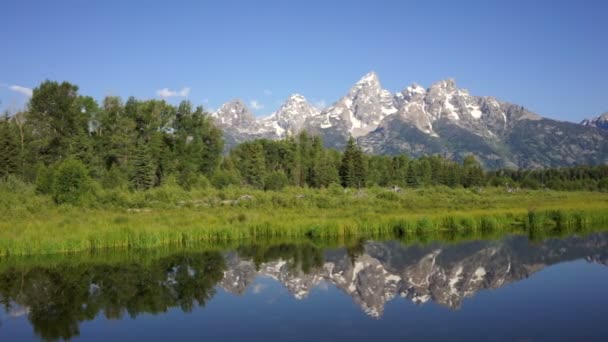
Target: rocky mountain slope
x=442 y=119
x=600 y=122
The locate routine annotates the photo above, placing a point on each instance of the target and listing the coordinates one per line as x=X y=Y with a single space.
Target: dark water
x=511 y=289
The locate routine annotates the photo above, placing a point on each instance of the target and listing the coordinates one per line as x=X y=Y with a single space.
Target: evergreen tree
x=250 y=161
x=225 y=175
x=473 y=173
x=142 y=170
x=359 y=168
x=9 y=149
x=325 y=172
x=411 y=178
x=347 y=167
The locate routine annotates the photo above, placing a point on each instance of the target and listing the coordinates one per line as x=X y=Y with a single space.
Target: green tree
x=473 y=173
x=9 y=149
x=142 y=170
x=250 y=160
x=71 y=182
x=360 y=168
x=57 y=115
x=275 y=181
x=411 y=178
x=347 y=167
x=45 y=177
x=325 y=171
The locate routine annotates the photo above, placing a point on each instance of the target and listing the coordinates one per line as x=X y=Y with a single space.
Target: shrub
x=222 y=179
x=71 y=182
x=275 y=181
x=114 y=178
x=44 y=179
x=335 y=189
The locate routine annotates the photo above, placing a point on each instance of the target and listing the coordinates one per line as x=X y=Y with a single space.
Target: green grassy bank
x=32 y=224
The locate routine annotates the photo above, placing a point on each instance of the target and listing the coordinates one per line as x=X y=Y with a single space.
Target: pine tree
x=347 y=167
x=411 y=178
x=360 y=169
x=254 y=165
x=325 y=172
x=142 y=172
x=9 y=149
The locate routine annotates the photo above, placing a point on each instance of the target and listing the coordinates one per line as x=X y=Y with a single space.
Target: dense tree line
x=65 y=143
x=64 y=136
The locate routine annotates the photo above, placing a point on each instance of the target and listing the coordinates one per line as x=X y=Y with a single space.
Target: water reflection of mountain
x=57 y=298
x=445 y=274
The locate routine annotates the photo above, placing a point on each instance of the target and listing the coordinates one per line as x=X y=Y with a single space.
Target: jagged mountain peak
x=600 y=121
x=360 y=111
x=296 y=97
x=416 y=88
x=234 y=113
x=369 y=79
x=290 y=117
x=294 y=101
x=236 y=103
x=439 y=119
x=448 y=87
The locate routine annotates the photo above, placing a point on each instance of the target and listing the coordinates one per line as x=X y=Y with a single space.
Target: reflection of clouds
x=16 y=310
x=258 y=288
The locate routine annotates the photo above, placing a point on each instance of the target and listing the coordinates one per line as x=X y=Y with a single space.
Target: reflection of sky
x=557 y=303
x=15 y=311
x=565 y=301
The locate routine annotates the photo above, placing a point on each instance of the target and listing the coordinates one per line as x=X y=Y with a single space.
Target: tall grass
x=168 y=215
x=95 y=230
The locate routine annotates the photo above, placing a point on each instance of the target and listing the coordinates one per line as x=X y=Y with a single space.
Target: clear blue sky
x=551 y=57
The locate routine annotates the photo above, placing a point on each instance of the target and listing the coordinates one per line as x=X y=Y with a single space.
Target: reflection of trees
x=61 y=297
x=355 y=250
x=300 y=256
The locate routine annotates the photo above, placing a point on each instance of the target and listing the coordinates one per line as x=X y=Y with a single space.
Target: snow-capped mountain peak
x=290 y=117
x=361 y=110
x=234 y=113
x=369 y=80
x=600 y=122
x=439 y=119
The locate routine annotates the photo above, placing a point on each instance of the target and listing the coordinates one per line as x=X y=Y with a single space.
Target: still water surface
x=511 y=289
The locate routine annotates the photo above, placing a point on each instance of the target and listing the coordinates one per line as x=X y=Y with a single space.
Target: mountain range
x=442 y=119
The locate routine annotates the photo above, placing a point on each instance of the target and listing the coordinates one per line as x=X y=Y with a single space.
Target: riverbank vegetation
x=170 y=215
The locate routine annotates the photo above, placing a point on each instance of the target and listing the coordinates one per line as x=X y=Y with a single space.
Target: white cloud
x=22 y=90
x=255 y=104
x=166 y=92
x=321 y=104
x=267 y=92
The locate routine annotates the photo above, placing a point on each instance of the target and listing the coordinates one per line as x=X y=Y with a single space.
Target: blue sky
x=551 y=57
